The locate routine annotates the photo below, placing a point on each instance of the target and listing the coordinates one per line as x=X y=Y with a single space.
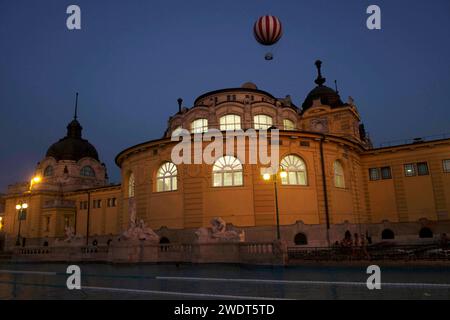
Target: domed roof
x=326 y=95
x=72 y=146
x=249 y=85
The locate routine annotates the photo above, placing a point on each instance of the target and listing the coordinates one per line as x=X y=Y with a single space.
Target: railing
x=256 y=248
x=375 y=252
x=414 y=140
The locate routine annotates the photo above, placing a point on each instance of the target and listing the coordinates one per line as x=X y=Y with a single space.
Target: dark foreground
x=189 y=281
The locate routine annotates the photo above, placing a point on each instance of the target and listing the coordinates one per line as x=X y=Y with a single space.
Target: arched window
x=48 y=171
x=339 y=180
x=166 y=177
x=199 y=126
x=227 y=172
x=131 y=185
x=262 y=122
x=300 y=239
x=230 y=122
x=87 y=171
x=387 y=234
x=288 y=124
x=425 y=233
x=296 y=171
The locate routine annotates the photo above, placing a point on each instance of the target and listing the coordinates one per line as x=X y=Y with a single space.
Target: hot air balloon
x=268 y=31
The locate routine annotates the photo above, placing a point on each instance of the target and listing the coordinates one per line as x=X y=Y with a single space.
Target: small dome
x=326 y=95
x=72 y=146
x=249 y=85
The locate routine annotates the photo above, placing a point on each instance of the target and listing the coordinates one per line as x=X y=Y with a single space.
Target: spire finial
x=320 y=80
x=335 y=85
x=76 y=107
x=180 y=101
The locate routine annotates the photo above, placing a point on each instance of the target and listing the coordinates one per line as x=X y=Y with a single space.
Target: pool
x=219 y=281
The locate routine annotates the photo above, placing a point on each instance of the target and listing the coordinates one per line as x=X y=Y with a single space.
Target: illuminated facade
x=335 y=180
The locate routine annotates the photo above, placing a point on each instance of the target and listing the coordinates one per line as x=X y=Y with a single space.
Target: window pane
x=199 y=126
x=230 y=122
x=238 y=178
x=295 y=169
x=386 y=173
x=174 y=183
x=159 y=185
x=227 y=171
x=288 y=124
x=410 y=170
x=374 y=174
x=227 y=179
x=262 y=122
x=422 y=169
x=446 y=165
x=217 y=179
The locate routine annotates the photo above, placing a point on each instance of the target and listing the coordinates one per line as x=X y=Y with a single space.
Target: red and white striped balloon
x=267 y=30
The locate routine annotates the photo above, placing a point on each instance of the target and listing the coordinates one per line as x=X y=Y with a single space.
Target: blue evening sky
x=132 y=59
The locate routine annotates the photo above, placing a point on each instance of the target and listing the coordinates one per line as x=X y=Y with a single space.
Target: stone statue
x=71 y=238
x=219 y=233
x=140 y=231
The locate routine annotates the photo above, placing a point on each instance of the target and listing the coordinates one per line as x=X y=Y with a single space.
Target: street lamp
x=22 y=214
x=267 y=177
x=35 y=180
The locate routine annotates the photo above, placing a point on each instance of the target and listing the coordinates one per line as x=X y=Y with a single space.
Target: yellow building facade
x=335 y=180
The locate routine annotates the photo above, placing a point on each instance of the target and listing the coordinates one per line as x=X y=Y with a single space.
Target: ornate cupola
x=72 y=162
x=326 y=95
x=72 y=146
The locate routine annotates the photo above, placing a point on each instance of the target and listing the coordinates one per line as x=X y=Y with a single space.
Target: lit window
x=288 y=124
x=386 y=173
x=48 y=171
x=227 y=172
x=166 y=178
x=374 y=174
x=296 y=171
x=339 y=179
x=422 y=169
x=446 y=165
x=87 y=171
x=199 y=126
x=131 y=185
x=410 y=170
x=262 y=122
x=230 y=122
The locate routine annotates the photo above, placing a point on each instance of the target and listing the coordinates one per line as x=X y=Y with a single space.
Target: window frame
x=291 y=123
x=338 y=174
x=287 y=165
x=84 y=172
x=234 y=124
x=171 y=177
x=131 y=185
x=446 y=165
x=47 y=169
x=236 y=168
x=199 y=129
x=382 y=174
x=414 y=168
x=423 y=164
x=378 y=171
x=257 y=124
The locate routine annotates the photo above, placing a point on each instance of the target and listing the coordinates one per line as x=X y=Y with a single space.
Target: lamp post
x=274 y=177
x=22 y=214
